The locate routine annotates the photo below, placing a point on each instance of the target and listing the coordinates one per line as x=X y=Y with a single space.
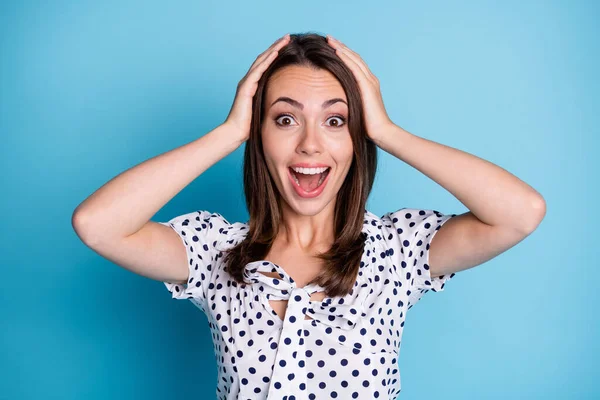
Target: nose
x=310 y=141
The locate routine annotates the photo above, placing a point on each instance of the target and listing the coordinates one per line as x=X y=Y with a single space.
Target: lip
x=303 y=193
x=308 y=165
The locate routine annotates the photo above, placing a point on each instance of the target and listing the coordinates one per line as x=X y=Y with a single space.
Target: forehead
x=303 y=83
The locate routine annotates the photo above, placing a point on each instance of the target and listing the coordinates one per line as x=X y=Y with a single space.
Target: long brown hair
x=263 y=200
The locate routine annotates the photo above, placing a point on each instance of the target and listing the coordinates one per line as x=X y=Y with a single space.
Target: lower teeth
x=320 y=179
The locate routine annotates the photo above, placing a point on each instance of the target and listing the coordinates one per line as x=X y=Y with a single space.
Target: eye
x=338 y=124
x=285 y=117
x=340 y=120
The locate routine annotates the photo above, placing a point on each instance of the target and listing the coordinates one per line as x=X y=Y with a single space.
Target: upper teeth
x=310 y=171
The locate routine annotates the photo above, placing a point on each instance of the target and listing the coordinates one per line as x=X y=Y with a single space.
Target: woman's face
x=305 y=122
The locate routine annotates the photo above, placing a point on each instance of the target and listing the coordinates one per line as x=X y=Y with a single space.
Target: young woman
x=308 y=299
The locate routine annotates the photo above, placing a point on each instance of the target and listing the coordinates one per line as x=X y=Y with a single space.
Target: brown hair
x=263 y=200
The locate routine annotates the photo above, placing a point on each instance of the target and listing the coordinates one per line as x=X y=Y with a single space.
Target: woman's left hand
x=376 y=118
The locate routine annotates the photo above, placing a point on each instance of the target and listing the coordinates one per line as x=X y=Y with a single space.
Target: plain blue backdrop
x=89 y=89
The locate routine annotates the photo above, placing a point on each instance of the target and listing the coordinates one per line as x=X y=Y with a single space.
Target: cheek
x=274 y=152
x=342 y=149
x=268 y=145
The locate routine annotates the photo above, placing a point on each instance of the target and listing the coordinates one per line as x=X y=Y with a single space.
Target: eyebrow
x=299 y=105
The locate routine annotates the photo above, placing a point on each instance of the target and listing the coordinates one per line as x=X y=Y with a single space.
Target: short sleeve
x=408 y=233
x=199 y=231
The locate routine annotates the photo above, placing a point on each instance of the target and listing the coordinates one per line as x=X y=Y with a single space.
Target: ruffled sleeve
x=408 y=234
x=200 y=232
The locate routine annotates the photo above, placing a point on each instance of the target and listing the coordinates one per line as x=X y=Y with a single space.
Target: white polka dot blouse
x=347 y=349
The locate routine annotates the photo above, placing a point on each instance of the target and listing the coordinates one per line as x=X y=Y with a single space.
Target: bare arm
x=115 y=220
x=123 y=205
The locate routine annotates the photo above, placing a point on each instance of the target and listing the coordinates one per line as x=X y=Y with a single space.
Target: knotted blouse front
x=349 y=347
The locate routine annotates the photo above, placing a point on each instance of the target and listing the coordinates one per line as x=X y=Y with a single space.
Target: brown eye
x=337 y=121
x=283 y=117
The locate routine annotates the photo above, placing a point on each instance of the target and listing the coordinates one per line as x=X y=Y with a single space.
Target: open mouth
x=308 y=182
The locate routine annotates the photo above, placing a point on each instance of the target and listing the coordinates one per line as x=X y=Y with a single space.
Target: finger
x=359 y=61
x=260 y=68
x=269 y=56
x=352 y=54
x=279 y=43
x=255 y=74
x=264 y=63
x=356 y=58
x=282 y=41
x=261 y=57
x=353 y=65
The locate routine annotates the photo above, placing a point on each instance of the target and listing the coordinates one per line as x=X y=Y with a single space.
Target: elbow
x=81 y=227
x=538 y=212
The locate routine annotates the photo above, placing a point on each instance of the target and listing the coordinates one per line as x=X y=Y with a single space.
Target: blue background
x=89 y=89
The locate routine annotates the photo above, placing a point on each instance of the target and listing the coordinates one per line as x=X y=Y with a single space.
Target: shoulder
x=203 y=227
x=402 y=227
x=202 y=219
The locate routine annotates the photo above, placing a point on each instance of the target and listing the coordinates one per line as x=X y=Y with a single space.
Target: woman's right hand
x=240 y=115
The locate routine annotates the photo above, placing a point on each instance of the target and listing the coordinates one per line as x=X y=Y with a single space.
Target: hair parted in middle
x=263 y=200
